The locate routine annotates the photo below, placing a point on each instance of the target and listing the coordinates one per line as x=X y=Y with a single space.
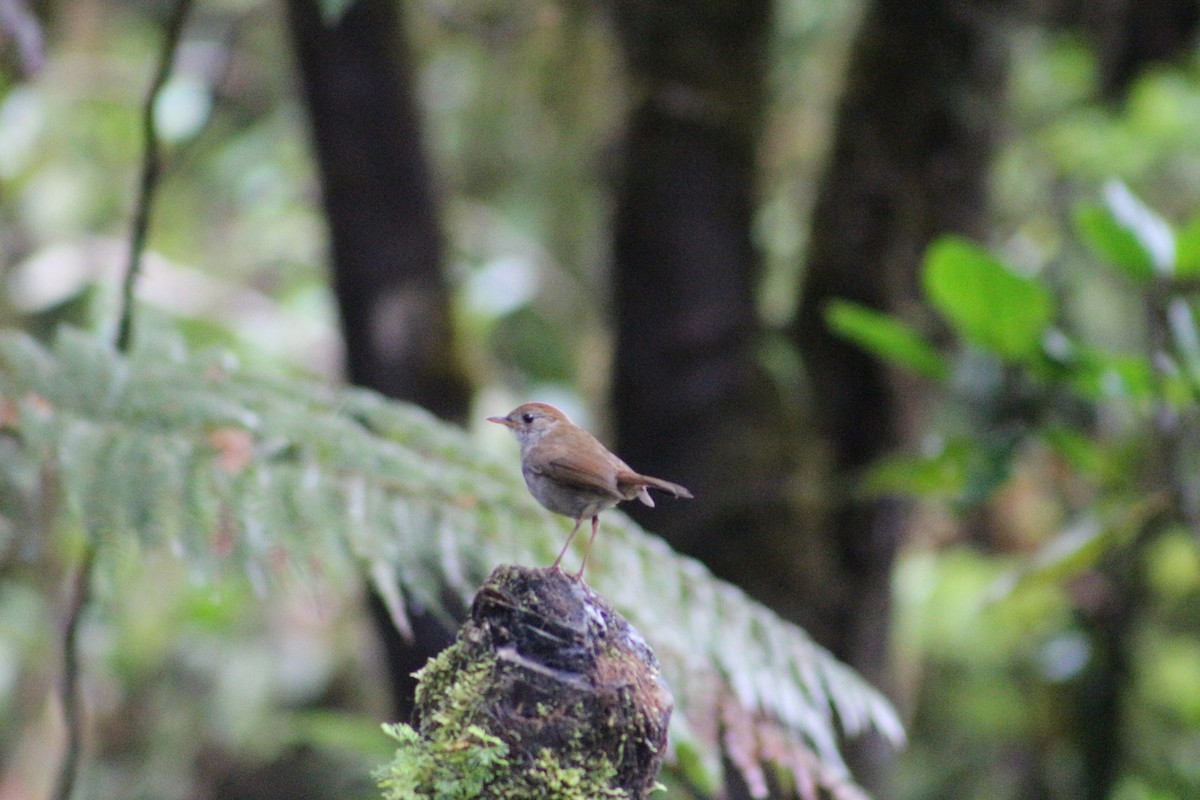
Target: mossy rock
x=547 y=693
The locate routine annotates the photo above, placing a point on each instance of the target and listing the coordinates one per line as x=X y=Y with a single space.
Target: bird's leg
x=592 y=538
x=563 y=552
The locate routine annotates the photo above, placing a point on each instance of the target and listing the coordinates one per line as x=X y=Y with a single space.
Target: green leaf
x=1129 y=234
x=1113 y=242
x=987 y=303
x=1152 y=232
x=1187 y=249
x=943 y=475
x=886 y=337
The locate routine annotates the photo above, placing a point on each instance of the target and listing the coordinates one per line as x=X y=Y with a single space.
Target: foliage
x=236 y=473
x=887 y=337
x=456 y=769
x=523 y=103
x=1105 y=441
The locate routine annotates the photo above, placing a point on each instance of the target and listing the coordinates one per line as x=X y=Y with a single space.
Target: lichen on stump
x=547 y=693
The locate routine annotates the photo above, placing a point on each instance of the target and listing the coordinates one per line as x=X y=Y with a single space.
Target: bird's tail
x=666 y=486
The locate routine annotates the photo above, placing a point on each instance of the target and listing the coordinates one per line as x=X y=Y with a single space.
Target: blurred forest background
x=984 y=500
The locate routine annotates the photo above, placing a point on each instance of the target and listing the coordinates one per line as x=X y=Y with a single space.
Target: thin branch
x=81 y=586
x=151 y=170
x=72 y=711
x=1189 y=284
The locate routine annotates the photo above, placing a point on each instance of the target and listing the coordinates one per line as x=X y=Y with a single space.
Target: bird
x=571 y=473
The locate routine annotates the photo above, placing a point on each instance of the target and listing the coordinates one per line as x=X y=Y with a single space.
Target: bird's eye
x=527 y=418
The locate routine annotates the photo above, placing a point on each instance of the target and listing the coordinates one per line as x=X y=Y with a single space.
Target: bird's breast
x=571 y=501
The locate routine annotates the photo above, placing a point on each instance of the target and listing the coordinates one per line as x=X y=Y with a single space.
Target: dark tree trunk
x=387 y=247
x=1129 y=35
x=380 y=204
x=915 y=135
x=690 y=403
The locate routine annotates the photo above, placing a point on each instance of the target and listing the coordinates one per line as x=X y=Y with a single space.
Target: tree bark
x=915 y=134
x=690 y=402
x=386 y=243
x=380 y=204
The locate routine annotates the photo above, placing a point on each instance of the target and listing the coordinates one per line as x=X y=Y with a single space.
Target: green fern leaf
x=236 y=472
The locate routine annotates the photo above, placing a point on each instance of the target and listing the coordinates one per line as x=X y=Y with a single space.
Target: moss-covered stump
x=547 y=693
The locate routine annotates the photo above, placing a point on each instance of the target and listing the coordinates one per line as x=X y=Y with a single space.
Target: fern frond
x=240 y=472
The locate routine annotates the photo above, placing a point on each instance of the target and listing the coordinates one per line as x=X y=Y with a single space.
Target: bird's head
x=531 y=421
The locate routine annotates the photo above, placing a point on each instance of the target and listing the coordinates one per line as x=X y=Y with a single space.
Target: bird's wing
x=573 y=472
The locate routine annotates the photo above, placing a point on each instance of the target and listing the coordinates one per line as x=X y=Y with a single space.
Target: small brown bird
x=569 y=472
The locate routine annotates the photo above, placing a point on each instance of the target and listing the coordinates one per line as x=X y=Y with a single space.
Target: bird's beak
x=505 y=421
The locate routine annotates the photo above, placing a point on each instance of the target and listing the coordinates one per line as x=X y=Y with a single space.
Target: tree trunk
x=690 y=403
x=915 y=135
x=380 y=205
x=386 y=243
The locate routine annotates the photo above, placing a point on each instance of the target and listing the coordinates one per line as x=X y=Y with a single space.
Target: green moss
x=441 y=769
x=453 y=757
x=450 y=689
x=548 y=777
x=476 y=765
